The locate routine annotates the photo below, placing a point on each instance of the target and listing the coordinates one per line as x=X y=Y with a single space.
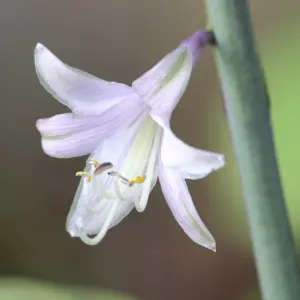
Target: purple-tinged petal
x=64 y=136
x=69 y=135
x=64 y=124
x=190 y=162
x=181 y=204
x=162 y=86
x=196 y=42
x=81 y=92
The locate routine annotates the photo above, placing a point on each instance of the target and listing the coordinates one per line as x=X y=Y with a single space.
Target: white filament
x=95 y=240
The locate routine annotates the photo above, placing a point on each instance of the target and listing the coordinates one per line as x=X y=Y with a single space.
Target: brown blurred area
x=147 y=255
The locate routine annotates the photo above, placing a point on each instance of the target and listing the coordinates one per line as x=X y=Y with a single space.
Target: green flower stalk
x=248 y=112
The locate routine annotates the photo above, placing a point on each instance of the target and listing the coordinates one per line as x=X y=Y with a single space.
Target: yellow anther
x=81 y=173
x=93 y=162
x=137 y=179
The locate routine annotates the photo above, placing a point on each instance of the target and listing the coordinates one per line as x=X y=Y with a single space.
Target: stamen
x=137 y=179
x=96 y=239
x=116 y=174
x=124 y=195
x=81 y=173
x=100 y=168
x=93 y=162
x=130 y=182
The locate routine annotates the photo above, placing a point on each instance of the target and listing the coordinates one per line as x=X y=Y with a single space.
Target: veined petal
x=142 y=159
x=95 y=201
x=69 y=135
x=80 y=91
x=65 y=136
x=162 y=86
x=196 y=42
x=90 y=209
x=190 y=162
x=181 y=204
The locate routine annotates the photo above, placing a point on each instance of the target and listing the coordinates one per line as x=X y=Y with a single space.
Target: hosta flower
x=126 y=132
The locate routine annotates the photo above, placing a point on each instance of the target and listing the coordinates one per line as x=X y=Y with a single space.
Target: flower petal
x=190 y=162
x=81 y=219
x=65 y=136
x=142 y=160
x=87 y=199
x=181 y=204
x=69 y=135
x=196 y=42
x=80 y=91
x=162 y=86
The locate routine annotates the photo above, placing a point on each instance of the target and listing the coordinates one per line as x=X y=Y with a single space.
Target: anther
x=137 y=179
x=81 y=173
x=102 y=167
x=93 y=162
x=130 y=182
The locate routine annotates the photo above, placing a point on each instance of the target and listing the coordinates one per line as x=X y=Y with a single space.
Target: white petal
x=142 y=158
x=181 y=204
x=111 y=150
x=82 y=220
x=80 y=91
x=162 y=86
x=190 y=162
x=94 y=210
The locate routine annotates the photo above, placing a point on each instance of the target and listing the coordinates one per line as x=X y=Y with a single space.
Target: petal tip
x=38 y=124
x=222 y=160
x=51 y=150
x=219 y=162
x=39 y=47
x=41 y=126
x=72 y=233
x=71 y=228
x=213 y=247
x=210 y=245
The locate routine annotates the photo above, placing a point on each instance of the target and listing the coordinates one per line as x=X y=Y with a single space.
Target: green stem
x=247 y=108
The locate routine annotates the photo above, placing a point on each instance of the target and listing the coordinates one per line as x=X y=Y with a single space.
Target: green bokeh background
x=11 y=289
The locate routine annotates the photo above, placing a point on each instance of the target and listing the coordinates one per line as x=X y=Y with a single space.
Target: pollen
x=137 y=179
x=93 y=162
x=81 y=173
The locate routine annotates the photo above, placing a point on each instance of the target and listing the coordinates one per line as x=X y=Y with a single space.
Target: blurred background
x=147 y=256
